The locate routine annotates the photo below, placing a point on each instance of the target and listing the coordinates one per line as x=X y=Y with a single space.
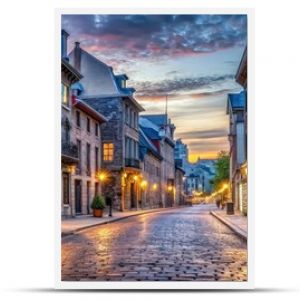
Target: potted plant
x=98 y=205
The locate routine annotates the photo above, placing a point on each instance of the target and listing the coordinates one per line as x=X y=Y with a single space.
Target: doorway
x=78 y=209
x=132 y=198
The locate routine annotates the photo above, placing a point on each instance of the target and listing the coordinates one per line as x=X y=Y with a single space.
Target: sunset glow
x=190 y=58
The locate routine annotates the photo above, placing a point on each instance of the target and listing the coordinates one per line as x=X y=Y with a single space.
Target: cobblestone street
x=179 y=245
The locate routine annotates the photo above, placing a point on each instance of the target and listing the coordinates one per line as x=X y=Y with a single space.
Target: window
x=108 y=151
x=66 y=191
x=137 y=150
x=78 y=169
x=96 y=159
x=129 y=117
x=132 y=118
x=78 y=118
x=126 y=112
x=88 y=125
x=136 y=121
x=96 y=129
x=64 y=94
x=67 y=130
x=134 y=149
x=127 y=147
x=123 y=84
x=88 y=184
x=88 y=159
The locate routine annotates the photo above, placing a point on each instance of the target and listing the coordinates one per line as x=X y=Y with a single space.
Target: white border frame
x=157 y=285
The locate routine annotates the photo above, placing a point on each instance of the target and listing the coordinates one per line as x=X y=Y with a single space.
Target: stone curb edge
x=241 y=233
x=67 y=234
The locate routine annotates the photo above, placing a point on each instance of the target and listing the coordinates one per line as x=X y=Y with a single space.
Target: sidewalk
x=73 y=225
x=237 y=222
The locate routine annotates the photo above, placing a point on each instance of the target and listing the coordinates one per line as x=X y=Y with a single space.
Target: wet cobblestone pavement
x=178 y=245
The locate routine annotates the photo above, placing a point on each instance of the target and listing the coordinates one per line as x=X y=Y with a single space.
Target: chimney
x=77 y=56
x=64 y=44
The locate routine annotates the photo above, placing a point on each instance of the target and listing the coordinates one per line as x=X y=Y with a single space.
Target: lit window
x=64 y=95
x=108 y=151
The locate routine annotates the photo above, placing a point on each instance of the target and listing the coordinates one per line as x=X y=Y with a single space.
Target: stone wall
x=168 y=172
x=151 y=193
x=95 y=141
x=179 y=197
x=114 y=131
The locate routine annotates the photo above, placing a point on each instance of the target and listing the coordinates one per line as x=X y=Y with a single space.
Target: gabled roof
x=206 y=169
x=145 y=143
x=236 y=101
x=159 y=120
x=151 y=133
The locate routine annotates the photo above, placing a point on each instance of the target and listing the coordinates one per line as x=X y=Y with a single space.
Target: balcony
x=132 y=163
x=69 y=153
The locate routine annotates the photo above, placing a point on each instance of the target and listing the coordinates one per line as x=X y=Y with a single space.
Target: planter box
x=98 y=213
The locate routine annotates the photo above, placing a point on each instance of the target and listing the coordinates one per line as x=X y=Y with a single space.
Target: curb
x=238 y=231
x=66 y=234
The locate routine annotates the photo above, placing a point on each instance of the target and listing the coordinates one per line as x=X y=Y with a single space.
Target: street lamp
x=103 y=176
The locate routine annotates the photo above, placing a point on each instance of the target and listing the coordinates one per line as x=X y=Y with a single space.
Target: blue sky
x=190 y=58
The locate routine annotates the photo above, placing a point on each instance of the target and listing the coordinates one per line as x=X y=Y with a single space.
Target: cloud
x=173 y=86
x=151 y=36
x=203 y=134
x=212 y=144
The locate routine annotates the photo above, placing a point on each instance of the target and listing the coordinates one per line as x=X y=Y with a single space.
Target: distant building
x=198 y=175
x=108 y=94
x=181 y=150
x=160 y=130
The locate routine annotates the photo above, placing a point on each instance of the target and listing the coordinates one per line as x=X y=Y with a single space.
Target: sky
x=192 y=59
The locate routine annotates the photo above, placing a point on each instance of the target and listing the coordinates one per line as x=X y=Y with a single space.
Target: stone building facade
x=69 y=150
x=86 y=133
x=151 y=163
x=237 y=109
x=107 y=93
x=198 y=175
x=179 y=185
x=80 y=143
x=160 y=130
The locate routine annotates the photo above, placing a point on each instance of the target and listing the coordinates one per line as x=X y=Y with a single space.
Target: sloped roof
x=159 y=120
x=151 y=133
x=98 y=77
x=149 y=128
x=236 y=101
x=147 y=144
x=207 y=169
